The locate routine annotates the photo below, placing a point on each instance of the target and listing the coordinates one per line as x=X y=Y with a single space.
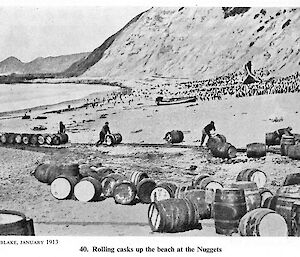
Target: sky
x=30 y=32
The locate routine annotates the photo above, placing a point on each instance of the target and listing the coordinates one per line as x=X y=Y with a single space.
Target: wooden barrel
x=285 y=143
x=11 y=138
x=63 y=138
x=263 y=222
x=33 y=139
x=255 y=175
x=272 y=138
x=292 y=179
x=52 y=139
x=90 y=170
x=264 y=194
x=124 y=192
x=18 y=139
x=87 y=189
x=172 y=215
x=181 y=190
x=163 y=191
x=295 y=230
x=252 y=195
x=46 y=173
x=144 y=189
x=297 y=138
x=270 y=202
x=13 y=223
x=256 y=150
x=108 y=183
x=293 y=152
x=48 y=139
x=199 y=198
x=174 y=136
x=41 y=139
x=3 y=138
x=215 y=140
x=138 y=176
x=70 y=169
x=224 y=150
x=286 y=197
x=26 y=139
x=55 y=140
x=197 y=180
x=62 y=187
x=210 y=183
x=228 y=208
x=113 y=139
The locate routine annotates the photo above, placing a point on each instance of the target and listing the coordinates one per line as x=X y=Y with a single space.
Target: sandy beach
x=140 y=120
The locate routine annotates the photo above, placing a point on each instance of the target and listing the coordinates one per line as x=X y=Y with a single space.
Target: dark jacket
x=105 y=129
x=209 y=128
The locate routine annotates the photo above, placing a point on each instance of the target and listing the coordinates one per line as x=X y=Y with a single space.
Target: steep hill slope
x=198 y=43
x=10 y=65
x=39 y=65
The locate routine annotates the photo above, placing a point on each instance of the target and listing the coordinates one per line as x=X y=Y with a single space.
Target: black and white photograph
x=149 y=121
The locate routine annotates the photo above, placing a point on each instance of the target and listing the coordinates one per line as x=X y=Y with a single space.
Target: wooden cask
x=255 y=175
x=163 y=191
x=286 y=197
x=144 y=189
x=256 y=150
x=252 y=195
x=62 y=187
x=124 y=192
x=228 y=208
x=172 y=215
x=263 y=222
x=285 y=143
x=13 y=223
x=88 y=189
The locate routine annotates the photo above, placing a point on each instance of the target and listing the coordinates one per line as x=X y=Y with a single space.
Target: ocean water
x=22 y=96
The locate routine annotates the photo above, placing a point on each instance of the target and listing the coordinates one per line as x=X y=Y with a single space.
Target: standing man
x=104 y=131
x=206 y=131
x=62 y=127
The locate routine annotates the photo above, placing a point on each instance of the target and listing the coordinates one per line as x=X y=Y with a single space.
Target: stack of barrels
x=220 y=148
x=94 y=185
x=286 y=202
x=241 y=208
x=33 y=139
x=177 y=208
x=289 y=144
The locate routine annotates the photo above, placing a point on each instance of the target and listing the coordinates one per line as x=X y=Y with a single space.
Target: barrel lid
x=8 y=217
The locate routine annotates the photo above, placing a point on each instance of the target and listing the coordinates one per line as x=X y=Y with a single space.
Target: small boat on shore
x=178 y=100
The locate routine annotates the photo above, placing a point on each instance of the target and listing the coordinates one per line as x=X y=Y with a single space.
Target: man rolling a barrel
x=206 y=131
x=284 y=131
x=104 y=131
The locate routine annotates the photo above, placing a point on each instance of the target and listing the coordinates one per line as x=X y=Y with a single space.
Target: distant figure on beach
x=206 y=131
x=284 y=131
x=104 y=131
x=62 y=127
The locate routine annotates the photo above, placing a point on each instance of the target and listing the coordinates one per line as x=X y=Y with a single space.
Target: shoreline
x=48 y=107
